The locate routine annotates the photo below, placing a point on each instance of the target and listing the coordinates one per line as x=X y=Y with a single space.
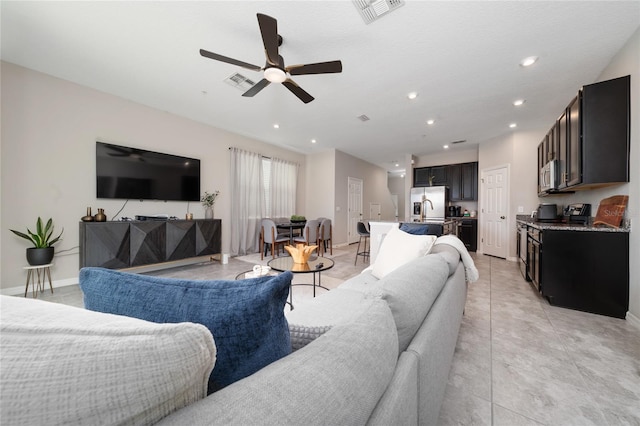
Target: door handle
x=502 y=217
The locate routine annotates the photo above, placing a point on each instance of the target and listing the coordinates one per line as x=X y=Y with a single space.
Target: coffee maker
x=454 y=211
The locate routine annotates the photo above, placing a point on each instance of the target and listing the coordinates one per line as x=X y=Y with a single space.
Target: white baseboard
x=633 y=320
x=16 y=291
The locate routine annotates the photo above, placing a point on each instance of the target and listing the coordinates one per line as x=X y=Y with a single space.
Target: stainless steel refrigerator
x=429 y=203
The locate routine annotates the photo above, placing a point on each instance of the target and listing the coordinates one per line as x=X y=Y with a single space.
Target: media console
x=119 y=245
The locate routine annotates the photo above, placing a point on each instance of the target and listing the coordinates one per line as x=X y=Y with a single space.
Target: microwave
x=548 y=177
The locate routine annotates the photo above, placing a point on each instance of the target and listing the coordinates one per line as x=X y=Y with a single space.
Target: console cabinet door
x=105 y=244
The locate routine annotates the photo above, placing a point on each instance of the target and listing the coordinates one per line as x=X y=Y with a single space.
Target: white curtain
x=247 y=201
x=282 y=188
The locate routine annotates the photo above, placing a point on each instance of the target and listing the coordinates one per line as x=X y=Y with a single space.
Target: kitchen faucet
x=424 y=200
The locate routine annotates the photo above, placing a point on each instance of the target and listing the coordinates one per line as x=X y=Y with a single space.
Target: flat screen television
x=133 y=173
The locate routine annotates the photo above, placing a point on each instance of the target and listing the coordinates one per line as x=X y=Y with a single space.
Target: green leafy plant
x=42 y=237
x=297 y=217
x=208 y=200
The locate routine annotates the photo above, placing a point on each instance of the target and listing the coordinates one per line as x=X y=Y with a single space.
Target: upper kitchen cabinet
x=430 y=176
x=463 y=182
x=592 y=148
x=605 y=132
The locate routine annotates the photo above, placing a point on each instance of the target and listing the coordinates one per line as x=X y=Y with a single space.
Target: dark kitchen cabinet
x=574 y=150
x=592 y=139
x=468 y=233
x=563 y=151
x=586 y=271
x=463 y=181
x=430 y=176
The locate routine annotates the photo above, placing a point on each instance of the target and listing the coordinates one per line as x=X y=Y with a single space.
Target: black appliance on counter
x=454 y=211
x=577 y=213
x=547 y=212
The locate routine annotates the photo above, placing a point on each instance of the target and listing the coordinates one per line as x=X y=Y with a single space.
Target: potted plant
x=297 y=218
x=42 y=251
x=208 y=200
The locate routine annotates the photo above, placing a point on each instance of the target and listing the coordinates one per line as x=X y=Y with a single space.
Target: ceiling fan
x=274 y=68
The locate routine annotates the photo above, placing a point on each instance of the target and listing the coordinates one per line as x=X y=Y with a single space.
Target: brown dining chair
x=269 y=235
x=310 y=233
x=325 y=237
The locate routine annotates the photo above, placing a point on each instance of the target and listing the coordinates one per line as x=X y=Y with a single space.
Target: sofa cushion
x=66 y=365
x=312 y=318
x=410 y=292
x=246 y=317
x=398 y=248
x=364 y=282
x=337 y=379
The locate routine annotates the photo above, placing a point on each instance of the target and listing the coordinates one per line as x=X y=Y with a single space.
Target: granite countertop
x=567 y=226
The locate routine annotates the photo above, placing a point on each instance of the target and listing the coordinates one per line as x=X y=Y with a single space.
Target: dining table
x=290 y=226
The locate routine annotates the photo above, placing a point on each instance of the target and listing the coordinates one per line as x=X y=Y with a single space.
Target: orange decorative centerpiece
x=300 y=253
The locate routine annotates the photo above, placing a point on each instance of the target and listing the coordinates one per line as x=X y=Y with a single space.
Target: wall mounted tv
x=132 y=173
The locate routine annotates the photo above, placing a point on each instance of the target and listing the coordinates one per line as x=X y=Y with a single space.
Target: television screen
x=132 y=173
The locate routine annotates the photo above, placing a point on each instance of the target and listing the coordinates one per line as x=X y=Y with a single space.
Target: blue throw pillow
x=246 y=317
x=414 y=228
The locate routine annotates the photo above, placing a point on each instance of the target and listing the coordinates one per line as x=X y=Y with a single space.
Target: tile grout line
x=491 y=337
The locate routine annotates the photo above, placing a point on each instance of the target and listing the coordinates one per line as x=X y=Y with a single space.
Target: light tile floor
x=518 y=360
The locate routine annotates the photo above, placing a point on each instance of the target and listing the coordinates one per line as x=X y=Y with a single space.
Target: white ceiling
x=461 y=57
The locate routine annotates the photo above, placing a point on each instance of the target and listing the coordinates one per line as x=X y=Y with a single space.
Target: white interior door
x=354 y=208
x=374 y=211
x=495 y=202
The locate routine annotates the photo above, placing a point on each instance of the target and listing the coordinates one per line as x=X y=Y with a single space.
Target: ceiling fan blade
x=319 y=68
x=231 y=61
x=298 y=91
x=269 y=31
x=256 y=88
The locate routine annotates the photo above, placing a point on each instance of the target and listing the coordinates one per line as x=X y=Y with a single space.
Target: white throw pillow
x=398 y=248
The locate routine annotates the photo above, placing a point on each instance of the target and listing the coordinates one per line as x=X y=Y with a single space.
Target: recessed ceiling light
x=397 y=165
x=430 y=122
x=276 y=126
x=513 y=125
x=518 y=102
x=402 y=175
x=527 y=62
x=412 y=95
x=445 y=146
x=313 y=141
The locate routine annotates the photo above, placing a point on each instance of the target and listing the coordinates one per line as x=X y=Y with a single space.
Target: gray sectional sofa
x=373 y=351
x=379 y=355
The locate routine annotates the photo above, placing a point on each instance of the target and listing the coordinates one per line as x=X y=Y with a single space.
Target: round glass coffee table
x=313 y=266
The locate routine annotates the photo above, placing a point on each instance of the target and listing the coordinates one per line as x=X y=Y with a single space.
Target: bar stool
x=363 y=231
x=41 y=271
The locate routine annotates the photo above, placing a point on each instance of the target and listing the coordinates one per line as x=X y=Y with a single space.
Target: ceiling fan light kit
x=274 y=69
x=275 y=75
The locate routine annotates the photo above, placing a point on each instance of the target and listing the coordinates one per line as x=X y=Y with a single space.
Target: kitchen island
x=378 y=230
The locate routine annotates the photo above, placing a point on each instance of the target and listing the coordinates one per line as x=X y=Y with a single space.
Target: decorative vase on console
x=208 y=200
x=208 y=212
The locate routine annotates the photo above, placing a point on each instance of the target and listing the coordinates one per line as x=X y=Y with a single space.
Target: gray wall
x=49 y=130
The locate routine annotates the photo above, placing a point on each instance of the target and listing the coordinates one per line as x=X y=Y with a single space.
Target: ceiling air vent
x=239 y=81
x=363 y=118
x=372 y=10
x=455 y=142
